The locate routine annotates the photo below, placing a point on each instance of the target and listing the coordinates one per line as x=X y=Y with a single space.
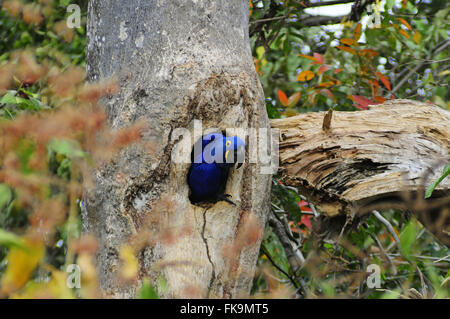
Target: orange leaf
x=337 y=71
x=307 y=57
x=293 y=99
x=325 y=84
x=405 y=23
x=384 y=79
x=357 y=32
x=283 y=98
x=305 y=76
x=348 y=41
x=417 y=36
x=323 y=68
x=362 y=103
x=347 y=49
x=404 y=2
x=403 y=33
x=319 y=58
x=373 y=83
x=379 y=99
x=368 y=52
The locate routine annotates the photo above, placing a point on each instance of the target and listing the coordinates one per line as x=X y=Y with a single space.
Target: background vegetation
x=52 y=132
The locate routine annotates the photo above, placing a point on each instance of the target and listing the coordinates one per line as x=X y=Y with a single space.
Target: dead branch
x=376 y=159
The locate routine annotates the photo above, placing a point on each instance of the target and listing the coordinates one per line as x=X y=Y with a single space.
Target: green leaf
x=29 y=93
x=147 y=291
x=9 y=239
x=431 y=188
x=260 y=52
x=407 y=238
x=389 y=4
x=5 y=195
x=68 y=148
x=9 y=98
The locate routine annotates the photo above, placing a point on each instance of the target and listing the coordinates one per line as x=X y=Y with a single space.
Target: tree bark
x=175 y=62
x=356 y=162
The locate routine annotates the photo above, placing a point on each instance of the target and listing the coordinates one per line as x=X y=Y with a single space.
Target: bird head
x=234 y=151
x=222 y=150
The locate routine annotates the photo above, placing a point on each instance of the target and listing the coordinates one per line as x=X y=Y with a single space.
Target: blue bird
x=212 y=157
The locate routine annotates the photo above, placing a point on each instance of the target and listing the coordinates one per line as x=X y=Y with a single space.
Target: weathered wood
x=379 y=158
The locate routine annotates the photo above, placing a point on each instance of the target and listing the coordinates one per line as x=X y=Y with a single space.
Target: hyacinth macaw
x=211 y=162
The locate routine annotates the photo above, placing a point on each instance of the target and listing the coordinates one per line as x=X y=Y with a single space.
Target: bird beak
x=240 y=156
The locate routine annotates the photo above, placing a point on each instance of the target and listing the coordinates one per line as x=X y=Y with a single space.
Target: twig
x=383 y=252
x=443 y=258
x=294 y=260
x=269 y=19
x=328 y=3
x=415 y=69
x=278 y=267
x=388 y=226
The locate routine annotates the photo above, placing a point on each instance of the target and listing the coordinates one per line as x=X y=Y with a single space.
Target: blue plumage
x=211 y=162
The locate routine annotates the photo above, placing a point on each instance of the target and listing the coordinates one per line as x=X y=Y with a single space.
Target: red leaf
x=384 y=79
x=362 y=103
x=283 y=98
x=337 y=71
x=323 y=68
x=319 y=58
x=306 y=220
x=303 y=206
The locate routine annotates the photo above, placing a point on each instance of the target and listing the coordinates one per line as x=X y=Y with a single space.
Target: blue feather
x=209 y=171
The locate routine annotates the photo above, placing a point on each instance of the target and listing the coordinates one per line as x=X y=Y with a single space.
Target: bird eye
x=228 y=143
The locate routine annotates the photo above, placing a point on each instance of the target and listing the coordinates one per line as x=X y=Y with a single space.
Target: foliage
x=431 y=188
x=349 y=67
x=45 y=159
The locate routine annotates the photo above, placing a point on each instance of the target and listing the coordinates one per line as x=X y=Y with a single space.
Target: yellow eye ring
x=228 y=143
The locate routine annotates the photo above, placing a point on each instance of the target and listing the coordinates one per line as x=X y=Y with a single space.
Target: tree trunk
x=355 y=162
x=175 y=62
